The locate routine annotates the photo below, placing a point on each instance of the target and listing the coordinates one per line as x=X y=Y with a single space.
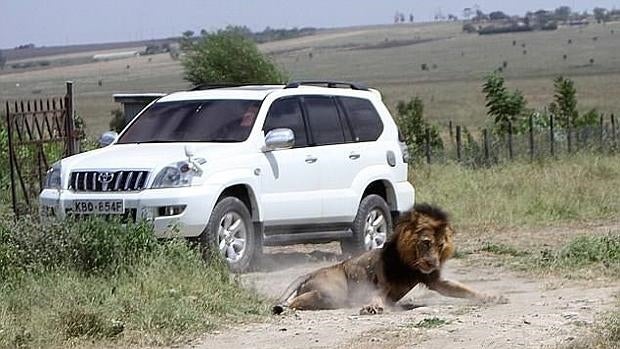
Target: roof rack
x=209 y=86
x=328 y=83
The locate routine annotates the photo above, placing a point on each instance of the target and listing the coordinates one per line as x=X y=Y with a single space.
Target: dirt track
x=540 y=313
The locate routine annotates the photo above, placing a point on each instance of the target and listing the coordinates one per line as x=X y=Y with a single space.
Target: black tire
x=229 y=210
x=357 y=243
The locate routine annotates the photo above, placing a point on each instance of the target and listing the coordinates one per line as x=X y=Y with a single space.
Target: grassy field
x=387 y=57
x=114 y=286
x=580 y=188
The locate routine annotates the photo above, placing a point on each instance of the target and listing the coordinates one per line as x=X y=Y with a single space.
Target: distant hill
x=44 y=51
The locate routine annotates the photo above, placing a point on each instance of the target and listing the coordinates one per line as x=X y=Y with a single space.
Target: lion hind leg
x=312 y=300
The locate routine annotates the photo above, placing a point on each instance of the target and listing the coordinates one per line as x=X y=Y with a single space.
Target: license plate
x=99 y=206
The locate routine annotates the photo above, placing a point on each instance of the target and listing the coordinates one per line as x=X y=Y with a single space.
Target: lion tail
x=293 y=288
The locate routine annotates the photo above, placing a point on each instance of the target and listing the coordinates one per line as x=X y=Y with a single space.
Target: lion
x=423 y=240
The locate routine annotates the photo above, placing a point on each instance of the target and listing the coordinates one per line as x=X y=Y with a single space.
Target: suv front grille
x=108 y=181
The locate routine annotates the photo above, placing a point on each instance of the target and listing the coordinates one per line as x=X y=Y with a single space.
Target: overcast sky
x=63 y=22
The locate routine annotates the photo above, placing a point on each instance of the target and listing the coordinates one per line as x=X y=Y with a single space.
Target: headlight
x=52 y=178
x=179 y=174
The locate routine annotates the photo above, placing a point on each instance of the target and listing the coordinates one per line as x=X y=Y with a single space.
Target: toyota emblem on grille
x=105 y=177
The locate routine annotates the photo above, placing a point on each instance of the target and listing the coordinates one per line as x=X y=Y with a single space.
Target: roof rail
x=328 y=83
x=209 y=86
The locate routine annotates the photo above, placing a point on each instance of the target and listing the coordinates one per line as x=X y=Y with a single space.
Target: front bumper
x=144 y=205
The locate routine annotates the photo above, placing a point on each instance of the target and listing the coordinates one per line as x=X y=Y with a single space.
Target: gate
x=40 y=132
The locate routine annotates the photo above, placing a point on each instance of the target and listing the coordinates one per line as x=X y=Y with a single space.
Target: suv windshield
x=221 y=120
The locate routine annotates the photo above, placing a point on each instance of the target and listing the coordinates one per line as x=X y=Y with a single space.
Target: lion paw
x=371 y=310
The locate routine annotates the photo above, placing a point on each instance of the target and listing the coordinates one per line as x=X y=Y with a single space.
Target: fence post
x=458 y=143
x=551 y=136
x=9 y=129
x=531 y=122
x=450 y=130
x=427 y=146
x=69 y=122
x=613 y=131
x=569 y=138
x=510 y=153
x=600 y=133
x=485 y=139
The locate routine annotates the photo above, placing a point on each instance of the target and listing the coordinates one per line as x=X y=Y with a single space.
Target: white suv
x=246 y=166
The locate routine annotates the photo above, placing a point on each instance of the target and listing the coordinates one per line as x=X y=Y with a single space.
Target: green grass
x=584 y=257
x=583 y=253
x=502 y=249
x=116 y=285
x=433 y=322
x=578 y=188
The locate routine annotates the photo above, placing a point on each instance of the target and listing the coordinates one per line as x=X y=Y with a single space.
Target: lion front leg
x=456 y=289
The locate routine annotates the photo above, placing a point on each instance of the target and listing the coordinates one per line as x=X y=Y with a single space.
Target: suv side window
x=324 y=120
x=286 y=113
x=363 y=117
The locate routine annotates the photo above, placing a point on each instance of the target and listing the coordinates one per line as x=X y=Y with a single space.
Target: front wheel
x=371 y=228
x=230 y=233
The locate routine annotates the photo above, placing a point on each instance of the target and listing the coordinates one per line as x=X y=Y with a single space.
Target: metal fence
x=483 y=147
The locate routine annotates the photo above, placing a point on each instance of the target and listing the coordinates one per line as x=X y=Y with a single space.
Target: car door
x=335 y=151
x=291 y=177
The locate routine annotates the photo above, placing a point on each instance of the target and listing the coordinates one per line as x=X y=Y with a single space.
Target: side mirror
x=107 y=138
x=278 y=139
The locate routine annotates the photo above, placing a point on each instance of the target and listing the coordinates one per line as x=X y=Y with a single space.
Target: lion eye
x=427 y=243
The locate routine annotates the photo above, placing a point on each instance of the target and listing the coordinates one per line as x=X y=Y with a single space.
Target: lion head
x=424 y=238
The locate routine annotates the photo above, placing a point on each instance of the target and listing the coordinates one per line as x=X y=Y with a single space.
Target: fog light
x=175 y=210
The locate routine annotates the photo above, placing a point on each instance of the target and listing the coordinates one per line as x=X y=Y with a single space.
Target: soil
x=545 y=311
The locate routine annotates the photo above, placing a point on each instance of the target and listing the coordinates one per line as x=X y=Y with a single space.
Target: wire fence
x=485 y=148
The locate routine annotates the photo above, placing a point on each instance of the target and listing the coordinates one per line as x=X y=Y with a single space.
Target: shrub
x=227 y=57
x=118 y=120
x=83 y=282
x=89 y=246
x=413 y=126
x=503 y=106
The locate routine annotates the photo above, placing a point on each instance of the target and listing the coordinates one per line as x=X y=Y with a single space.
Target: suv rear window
x=363 y=117
x=225 y=120
x=324 y=120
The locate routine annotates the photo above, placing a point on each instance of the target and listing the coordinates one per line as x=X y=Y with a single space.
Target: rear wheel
x=230 y=234
x=371 y=228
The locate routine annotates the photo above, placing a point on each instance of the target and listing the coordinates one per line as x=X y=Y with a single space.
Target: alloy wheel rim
x=232 y=237
x=375 y=230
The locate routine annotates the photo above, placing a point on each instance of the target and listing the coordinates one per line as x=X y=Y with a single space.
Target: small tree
x=504 y=106
x=228 y=56
x=564 y=105
x=118 y=120
x=413 y=127
x=600 y=14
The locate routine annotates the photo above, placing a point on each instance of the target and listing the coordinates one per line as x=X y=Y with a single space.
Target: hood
x=146 y=156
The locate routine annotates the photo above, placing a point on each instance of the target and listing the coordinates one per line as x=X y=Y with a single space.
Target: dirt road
x=540 y=313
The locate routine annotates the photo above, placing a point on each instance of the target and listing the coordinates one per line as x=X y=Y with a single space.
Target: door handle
x=354 y=156
x=311 y=159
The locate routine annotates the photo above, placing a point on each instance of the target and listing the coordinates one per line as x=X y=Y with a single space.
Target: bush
x=118 y=120
x=86 y=282
x=503 y=106
x=227 y=57
x=413 y=127
x=88 y=246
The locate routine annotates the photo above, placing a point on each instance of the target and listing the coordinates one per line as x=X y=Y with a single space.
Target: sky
x=66 y=22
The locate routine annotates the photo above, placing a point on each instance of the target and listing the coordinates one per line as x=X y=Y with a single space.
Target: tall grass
x=582 y=187
x=69 y=284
